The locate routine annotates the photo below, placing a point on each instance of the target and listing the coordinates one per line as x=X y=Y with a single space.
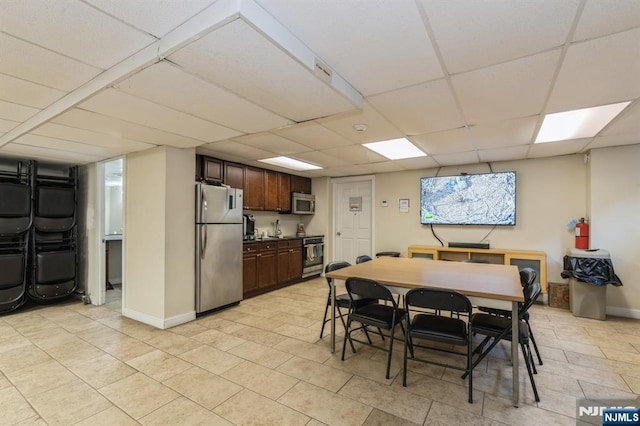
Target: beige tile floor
x=262 y=363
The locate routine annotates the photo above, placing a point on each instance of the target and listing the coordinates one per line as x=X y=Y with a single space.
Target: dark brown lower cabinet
x=271 y=265
x=289 y=260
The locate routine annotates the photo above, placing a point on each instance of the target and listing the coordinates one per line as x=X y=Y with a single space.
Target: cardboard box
x=559 y=295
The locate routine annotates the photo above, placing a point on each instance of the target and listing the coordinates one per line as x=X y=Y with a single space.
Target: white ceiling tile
x=64 y=145
x=273 y=143
x=509 y=90
x=600 y=18
x=15 y=112
x=378 y=127
x=627 y=123
x=507 y=153
x=32 y=63
x=195 y=96
x=245 y=152
x=120 y=105
x=242 y=60
x=27 y=93
x=313 y=135
x=376 y=49
x=121 y=129
x=6 y=125
x=93 y=138
x=518 y=131
x=457 y=158
x=319 y=158
x=325 y=173
x=427 y=107
x=551 y=149
x=417 y=163
x=353 y=170
x=162 y=17
x=356 y=154
x=48 y=154
x=78 y=31
x=616 y=140
x=385 y=167
x=446 y=142
x=598 y=72
x=474 y=34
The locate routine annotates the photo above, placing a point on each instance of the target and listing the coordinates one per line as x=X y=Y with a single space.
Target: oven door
x=312 y=258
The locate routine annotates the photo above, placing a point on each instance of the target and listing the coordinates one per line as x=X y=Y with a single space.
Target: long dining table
x=490 y=285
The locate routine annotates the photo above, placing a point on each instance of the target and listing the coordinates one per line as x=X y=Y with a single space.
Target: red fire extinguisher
x=582 y=234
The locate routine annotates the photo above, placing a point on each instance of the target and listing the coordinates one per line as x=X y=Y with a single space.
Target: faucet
x=278 y=231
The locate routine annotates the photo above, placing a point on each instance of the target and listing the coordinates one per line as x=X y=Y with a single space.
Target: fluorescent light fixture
x=290 y=163
x=577 y=124
x=395 y=149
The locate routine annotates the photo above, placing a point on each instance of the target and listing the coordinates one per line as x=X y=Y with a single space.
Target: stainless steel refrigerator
x=218 y=246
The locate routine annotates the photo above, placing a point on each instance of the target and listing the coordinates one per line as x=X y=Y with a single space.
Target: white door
x=353 y=218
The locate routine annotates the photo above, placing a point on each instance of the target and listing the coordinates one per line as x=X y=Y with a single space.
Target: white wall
x=550 y=192
x=88 y=234
x=159 y=244
x=615 y=221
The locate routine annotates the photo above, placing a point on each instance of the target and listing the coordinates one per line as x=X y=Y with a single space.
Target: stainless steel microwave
x=303 y=203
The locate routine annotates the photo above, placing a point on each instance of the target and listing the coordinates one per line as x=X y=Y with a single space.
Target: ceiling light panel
x=78 y=31
x=242 y=60
x=627 y=123
x=290 y=163
x=33 y=63
x=198 y=97
x=130 y=108
x=395 y=149
x=577 y=124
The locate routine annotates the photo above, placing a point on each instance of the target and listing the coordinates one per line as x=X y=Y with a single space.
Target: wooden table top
x=501 y=282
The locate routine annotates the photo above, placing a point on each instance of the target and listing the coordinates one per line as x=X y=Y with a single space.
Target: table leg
x=515 y=338
x=333 y=316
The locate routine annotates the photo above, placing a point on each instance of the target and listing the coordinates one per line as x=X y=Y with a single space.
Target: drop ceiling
x=466 y=81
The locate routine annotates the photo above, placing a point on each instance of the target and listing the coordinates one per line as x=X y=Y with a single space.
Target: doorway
x=353 y=220
x=112 y=232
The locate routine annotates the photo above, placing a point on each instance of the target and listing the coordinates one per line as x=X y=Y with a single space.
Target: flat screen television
x=480 y=199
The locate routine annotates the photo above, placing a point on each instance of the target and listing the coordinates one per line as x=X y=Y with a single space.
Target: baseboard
x=161 y=323
x=470 y=245
x=623 y=312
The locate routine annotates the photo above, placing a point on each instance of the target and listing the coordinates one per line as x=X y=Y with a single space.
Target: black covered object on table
x=595 y=271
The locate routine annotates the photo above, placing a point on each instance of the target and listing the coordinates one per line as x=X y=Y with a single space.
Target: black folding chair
x=497 y=328
x=438 y=328
x=381 y=316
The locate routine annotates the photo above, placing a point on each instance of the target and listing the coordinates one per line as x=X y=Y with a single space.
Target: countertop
x=285 y=237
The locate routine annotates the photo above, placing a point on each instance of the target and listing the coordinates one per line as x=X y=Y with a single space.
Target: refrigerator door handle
x=232 y=198
x=203 y=229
